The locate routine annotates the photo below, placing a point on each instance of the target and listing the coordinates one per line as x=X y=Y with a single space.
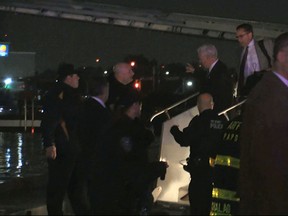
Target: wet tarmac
x=21 y=155
x=22 y=172
x=23 y=177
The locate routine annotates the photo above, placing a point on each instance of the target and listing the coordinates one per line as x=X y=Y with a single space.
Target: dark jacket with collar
x=202 y=134
x=219 y=84
x=60 y=118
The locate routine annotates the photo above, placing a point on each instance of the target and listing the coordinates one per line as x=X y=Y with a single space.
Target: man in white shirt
x=259 y=55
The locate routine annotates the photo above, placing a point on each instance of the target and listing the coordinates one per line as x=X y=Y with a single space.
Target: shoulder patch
x=216 y=124
x=126 y=143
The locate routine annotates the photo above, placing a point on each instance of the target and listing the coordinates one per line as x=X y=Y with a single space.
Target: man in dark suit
x=218 y=80
x=263 y=140
x=95 y=120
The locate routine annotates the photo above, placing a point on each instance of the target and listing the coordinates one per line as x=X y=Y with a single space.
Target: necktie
x=242 y=67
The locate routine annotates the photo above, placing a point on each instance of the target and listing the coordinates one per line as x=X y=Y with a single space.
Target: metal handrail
x=224 y=112
x=172 y=106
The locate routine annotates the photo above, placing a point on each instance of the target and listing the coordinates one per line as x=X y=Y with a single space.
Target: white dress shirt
x=252 y=62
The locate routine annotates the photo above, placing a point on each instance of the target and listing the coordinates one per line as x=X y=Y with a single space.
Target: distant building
x=17 y=65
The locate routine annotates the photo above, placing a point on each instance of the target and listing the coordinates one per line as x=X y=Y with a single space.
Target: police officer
x=60 y=142
x=120 y=83
x=129 y=172
x=202 y=136
x=225 y=198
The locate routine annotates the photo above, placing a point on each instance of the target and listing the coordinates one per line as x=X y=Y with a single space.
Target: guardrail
x=172 y=106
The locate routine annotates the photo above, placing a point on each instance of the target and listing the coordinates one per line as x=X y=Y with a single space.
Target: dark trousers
x=200 y=192
x=65 y=176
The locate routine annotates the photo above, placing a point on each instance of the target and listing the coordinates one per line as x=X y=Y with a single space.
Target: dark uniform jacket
x=127 y=168
x=117 y=91
x=126 y=145
x=226 y=170
x=201 y=135
x=59 y=122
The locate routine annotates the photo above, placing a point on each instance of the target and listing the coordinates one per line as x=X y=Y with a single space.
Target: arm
x=185 y=137
x=49 y=124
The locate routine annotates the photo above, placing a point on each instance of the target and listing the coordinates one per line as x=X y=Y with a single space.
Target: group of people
x=97 y=147
x=217 y=79
x=253 y=144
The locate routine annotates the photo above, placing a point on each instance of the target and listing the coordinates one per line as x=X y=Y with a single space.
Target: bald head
x=204 y=102
x=123 y=72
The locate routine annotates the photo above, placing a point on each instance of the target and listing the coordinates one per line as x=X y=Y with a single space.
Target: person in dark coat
x=95 y=120
x=60 y=140
x=263 y=140
x=225 y=197
x=218 y=80
x=121 y=82
x=129 y=173
x=202 y=136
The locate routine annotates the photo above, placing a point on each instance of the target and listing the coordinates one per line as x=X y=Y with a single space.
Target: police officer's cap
x=66 y=69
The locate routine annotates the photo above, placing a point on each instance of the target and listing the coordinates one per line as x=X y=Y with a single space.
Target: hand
x=189 y=68
x=174 y=129
x=51 y=152
x=164 y=165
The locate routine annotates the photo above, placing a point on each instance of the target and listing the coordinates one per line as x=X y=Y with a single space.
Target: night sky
x=56 y=40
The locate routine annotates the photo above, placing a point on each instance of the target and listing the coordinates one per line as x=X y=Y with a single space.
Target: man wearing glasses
x=256 y=57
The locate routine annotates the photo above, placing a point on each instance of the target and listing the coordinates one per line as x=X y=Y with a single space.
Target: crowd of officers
x=97 y=147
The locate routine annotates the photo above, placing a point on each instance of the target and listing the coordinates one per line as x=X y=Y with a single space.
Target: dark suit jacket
x=219 y=84
x=95 y=120
x=264 y=149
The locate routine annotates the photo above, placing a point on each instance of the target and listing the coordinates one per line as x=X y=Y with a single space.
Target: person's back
x=95 y=121
x=226 y=170
x=263 y=143
x=202 y=136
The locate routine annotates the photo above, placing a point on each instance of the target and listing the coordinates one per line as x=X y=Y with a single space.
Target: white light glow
x=8 y=81
x=189 y=83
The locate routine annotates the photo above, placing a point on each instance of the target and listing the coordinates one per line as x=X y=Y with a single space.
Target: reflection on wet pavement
x=21 y=155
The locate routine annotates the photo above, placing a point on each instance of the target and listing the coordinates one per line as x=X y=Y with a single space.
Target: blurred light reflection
x=21 y=154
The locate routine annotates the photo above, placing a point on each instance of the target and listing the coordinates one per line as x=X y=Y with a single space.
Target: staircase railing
x=166 y=110
x=224 y=112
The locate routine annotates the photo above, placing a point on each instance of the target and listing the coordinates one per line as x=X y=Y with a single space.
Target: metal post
x=25 y=114
x=32 y=112
x=154 y=77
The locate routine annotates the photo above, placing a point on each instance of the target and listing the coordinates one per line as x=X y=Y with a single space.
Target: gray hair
x=208 y=50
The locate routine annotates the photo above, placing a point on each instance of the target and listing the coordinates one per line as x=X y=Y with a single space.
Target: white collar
x=99 y=100
x=211 y=67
